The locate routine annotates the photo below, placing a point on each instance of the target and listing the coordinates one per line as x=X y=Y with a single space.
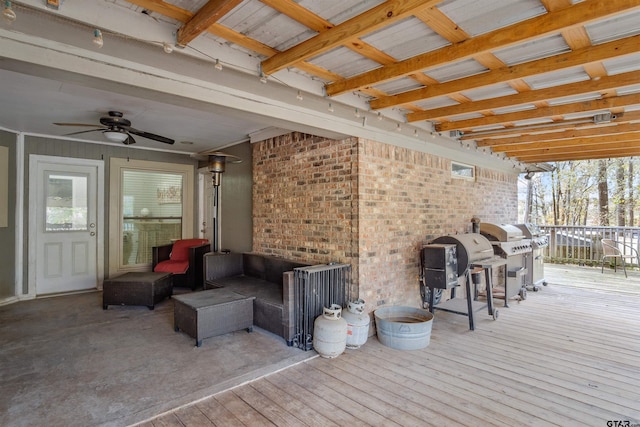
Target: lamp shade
x=116 y=135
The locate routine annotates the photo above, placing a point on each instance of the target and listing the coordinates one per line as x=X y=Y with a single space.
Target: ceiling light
x=218 y=65
x=299 y=96
x=357 y=113
x=8 y=14
x=263 y=77
x=116 y=135
x=330 y=109
x=398 y=128
x=97 y=38
x=167 y=47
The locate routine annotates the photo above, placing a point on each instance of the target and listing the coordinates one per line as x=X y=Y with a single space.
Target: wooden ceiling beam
x=209 y=14
x=571 y=89
x=164 y=8
x=539 y=113
x=629 y=151
x=317 y=23
x=566 y=144
x=552 y=5
x=442 y=24
x=299 y=14
x=373 y=19
x=590 y=132
x=226 y=33
x=517 y=131
x=538 y=27
x=563 y=61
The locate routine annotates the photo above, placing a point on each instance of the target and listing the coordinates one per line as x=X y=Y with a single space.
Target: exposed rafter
x=511 y=124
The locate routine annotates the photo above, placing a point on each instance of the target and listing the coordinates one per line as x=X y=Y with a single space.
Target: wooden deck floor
x=568 y=355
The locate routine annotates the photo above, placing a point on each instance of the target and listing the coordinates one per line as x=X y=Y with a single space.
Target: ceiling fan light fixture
x=116 y=135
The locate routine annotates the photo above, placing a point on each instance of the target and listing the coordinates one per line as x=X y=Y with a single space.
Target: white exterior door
x=65 y=224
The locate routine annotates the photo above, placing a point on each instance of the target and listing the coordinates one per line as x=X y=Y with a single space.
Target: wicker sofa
x=269 y=279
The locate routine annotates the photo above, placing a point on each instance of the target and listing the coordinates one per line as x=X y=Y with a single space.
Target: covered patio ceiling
x=532 y=81
x=537 y=80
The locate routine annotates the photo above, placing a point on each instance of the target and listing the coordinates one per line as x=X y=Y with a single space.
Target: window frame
x=463 y=166
x=117 y=167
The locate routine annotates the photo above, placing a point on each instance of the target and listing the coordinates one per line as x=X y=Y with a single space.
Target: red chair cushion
x=175 y=267
x=180 y=249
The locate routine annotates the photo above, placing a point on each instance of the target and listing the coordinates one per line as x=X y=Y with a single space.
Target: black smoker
x=535 y=263
x=448 y=258
x=509 y=243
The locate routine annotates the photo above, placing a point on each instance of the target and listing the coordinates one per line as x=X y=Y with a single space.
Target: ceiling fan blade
x=84 y=131
x=76 y=124
x=150 y=136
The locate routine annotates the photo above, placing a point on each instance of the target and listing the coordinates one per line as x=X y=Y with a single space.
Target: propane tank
x=357 y=324
x=330 y=332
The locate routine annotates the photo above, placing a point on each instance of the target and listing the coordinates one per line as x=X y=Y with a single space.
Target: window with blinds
x=151 y=213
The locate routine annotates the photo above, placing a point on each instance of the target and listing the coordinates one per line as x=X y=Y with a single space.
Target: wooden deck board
x=216 y=413
x=293 y=404
x=567 y=355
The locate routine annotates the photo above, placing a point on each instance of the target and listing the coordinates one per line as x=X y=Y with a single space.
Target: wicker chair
x=612 y=249
x=183 y=258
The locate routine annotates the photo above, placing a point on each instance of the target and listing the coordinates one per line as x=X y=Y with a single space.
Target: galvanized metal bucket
x=403 y=328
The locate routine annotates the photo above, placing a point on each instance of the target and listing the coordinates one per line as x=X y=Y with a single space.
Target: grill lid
x=501 y=232
x=470 y=247
x=530 y=230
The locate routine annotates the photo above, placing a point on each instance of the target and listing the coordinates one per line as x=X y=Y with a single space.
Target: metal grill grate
x=316 y=287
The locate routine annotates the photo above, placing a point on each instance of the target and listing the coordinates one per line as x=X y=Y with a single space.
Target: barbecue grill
x=447 y=259
x=509 y=243
x=535 y=263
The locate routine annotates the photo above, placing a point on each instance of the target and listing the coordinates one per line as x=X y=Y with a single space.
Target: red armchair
x=184 y=259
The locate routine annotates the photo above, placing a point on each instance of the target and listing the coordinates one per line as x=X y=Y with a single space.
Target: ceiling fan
x=118 y=129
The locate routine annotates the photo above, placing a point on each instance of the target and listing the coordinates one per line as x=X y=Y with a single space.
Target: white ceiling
x=32 y=104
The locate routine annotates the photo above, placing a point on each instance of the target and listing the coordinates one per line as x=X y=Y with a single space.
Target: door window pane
x=66 y=203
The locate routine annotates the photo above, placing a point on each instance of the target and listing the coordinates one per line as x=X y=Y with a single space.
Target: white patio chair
x=612 y=249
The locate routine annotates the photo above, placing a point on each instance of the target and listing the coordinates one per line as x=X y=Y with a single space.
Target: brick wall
x=303 y=198
x=369 y=204
x=406 y=198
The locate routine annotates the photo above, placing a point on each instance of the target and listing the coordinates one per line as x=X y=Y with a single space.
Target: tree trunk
x=529 y=203
x=603 y=193
x=631 y=200
x=555 y=196
x=620 y=190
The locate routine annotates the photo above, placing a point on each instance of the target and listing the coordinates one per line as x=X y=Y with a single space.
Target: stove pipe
x=475 y=224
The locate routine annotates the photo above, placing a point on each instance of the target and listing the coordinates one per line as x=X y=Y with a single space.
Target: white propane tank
x=357 y=324
x=330 y=332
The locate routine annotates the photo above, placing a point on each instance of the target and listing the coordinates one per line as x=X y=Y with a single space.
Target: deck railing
x=582 y=244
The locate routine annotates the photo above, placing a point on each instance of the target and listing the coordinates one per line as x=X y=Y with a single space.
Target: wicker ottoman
x=137 y=288
x=213 y=312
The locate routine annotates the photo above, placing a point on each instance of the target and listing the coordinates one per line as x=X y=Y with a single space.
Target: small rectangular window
x=460 y=170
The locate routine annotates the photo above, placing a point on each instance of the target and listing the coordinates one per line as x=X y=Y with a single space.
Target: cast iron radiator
x=316 y=287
